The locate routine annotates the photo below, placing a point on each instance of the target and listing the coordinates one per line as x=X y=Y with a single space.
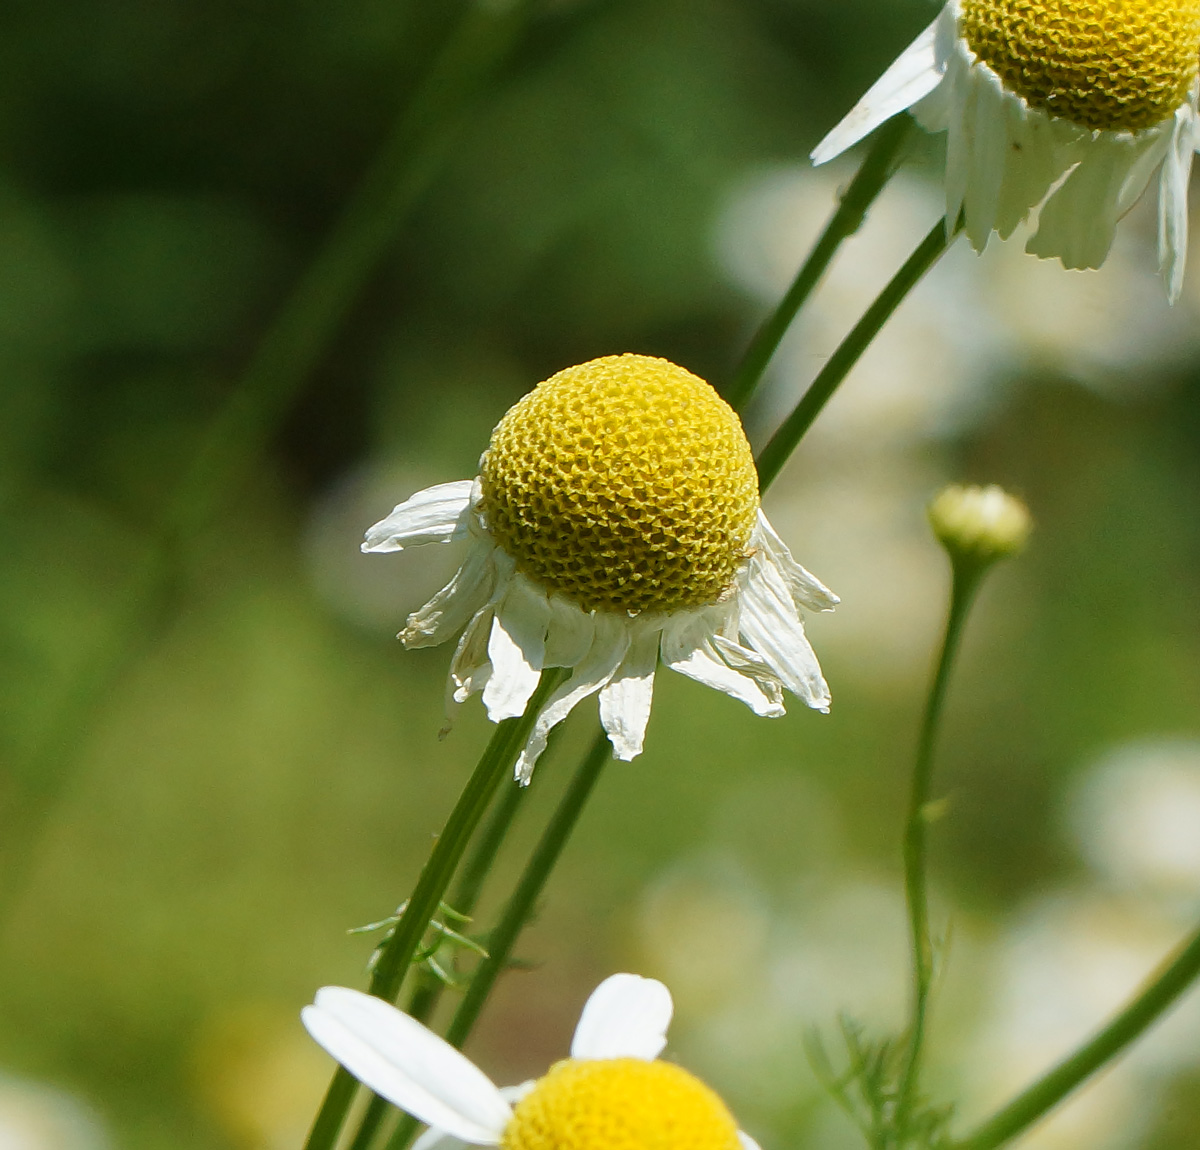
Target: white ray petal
x=986 y=128
x=453 y=606
x=625 y=699
x=436 y=515
x=609 y=644
x=1079 y=220
x=913 y=75
x=807 y=590
x=687 y=647
x=747 y=1142
x=407 y=1064
x=626 y=1017
x=569 y=635
x=469 y=669
x=772 y=628
x=1038 y=150
x=1173 y=200
x=515 y=649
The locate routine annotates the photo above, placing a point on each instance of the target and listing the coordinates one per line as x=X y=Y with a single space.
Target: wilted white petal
x=569 y=635
x=986 y=129
x=626 y=1017
x=1079 y=220
x=1039 y=149
x=1173 y=200
x=772 y=628
x=515 y=649
x=609 y=644
x=407 y=1064
x=625 y=699
x=449 y=610
x=914 y=74
x=435 y=515
x=687 y=647
x=469 y=669
x=807 y=590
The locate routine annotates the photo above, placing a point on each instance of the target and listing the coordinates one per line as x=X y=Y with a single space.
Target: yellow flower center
x=620 y=1104
x=1112 y=64
x=625 y=484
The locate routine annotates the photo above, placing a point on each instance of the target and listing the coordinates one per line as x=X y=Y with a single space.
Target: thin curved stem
x=398 y=951
x=962 y=594
x=877 y=168
x=1160 y=992
x=781 y=445
x=520 y=906
x=428 y=990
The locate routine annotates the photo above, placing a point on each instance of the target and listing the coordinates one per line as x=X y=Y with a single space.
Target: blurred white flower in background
x=1135 y=816
x=1071 y=959
x=34 y=1116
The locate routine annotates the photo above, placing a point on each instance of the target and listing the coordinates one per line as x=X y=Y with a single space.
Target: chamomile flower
x=1067 y=104
x=611 y=1094
x=615 y=521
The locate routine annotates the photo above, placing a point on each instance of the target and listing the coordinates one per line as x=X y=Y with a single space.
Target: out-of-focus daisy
x=611 y=1094
x=1085 y=97
x=615 y=521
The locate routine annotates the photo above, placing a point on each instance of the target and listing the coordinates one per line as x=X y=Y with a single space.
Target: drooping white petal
x=807 y=590
x=407 y=1064
x=687 y=647
x=569 y=635
x=515 y=649
x=625 y=699
x=1173 y=199
x=626 y=1017
x=985 y=124
x=771 y=626
x=450 y=609
x=1038 y=150
x=609 y=644
x=913 y=75
x=470 y=668
x=747 y=1142
x=436 y=515
x=1079 y=220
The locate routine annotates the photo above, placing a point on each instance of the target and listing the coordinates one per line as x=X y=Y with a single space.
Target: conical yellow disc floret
x=620 y=1104
x=1112 y=64
x=625 y=484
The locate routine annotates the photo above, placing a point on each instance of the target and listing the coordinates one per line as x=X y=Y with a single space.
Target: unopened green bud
x=979 y=524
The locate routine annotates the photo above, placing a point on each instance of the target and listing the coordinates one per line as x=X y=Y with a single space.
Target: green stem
x=772 y=457
x=966 y=580
x=877 y=168
x=520 y=906
x=404 y=167
x=428 y=991
x=397 y=953
x=1162 y=989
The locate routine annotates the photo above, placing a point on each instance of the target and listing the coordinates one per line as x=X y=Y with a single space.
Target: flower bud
x=979 y=524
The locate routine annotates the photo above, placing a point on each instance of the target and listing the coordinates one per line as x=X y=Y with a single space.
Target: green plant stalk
x=1175 y=976
x=877 y=168
x=520 y=906
x=966 y=580
x=781 y=445
x=428 y=991
x=398 y=952
x=419 y=144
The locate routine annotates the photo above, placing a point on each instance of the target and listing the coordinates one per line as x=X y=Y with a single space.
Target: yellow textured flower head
x=1109 y=64
x=620 y=1104
x=625 y=483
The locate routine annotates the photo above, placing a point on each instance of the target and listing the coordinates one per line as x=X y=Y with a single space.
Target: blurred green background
x=215 y=758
